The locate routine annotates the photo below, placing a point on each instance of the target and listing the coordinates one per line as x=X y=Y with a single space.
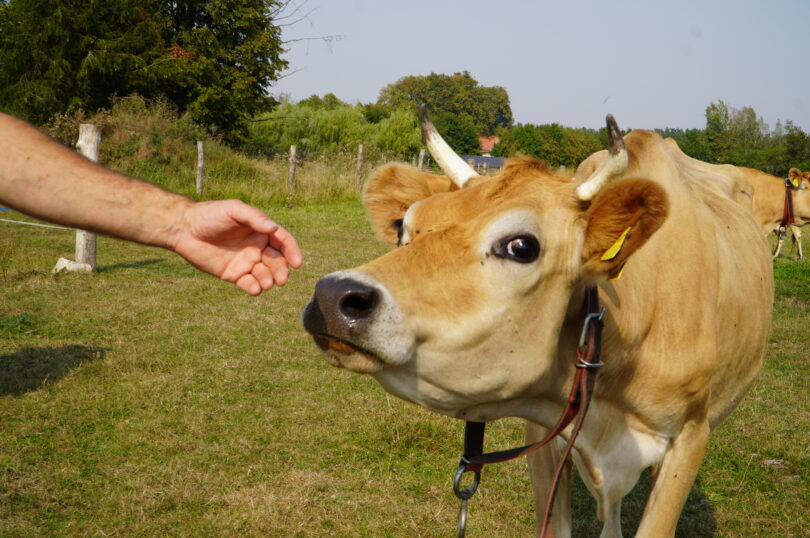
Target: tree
x=747 y=134
x=579 y=144
x=398 y=134
x=458 y=132
x=797 y=147
x=327 y=131
x=494 y=107
x=314 y=129
x=551 y=143
x=519 y=139
x=328 y=101
x=486 y=108
x=694 y=144
x=375 y=113
x=213 y=58
x=718 y=140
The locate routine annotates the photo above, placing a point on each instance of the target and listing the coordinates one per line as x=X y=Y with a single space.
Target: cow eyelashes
x=519 y=248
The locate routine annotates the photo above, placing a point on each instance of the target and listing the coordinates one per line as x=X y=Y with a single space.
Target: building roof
x=480 y=162
x=488 y=142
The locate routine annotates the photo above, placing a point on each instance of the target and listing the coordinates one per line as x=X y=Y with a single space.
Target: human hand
x=237 y=243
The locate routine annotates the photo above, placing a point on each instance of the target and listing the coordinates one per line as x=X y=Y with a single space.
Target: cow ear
x=619 y=221
x=392 y=189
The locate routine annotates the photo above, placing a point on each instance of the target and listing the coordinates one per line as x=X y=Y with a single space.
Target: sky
x=652 y=64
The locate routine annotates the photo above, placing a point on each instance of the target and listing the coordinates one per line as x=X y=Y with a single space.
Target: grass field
x=152 y=400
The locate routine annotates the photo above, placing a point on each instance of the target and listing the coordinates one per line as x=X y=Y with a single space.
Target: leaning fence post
x=88 y=144
x=292 y=168
x=360 y=167
x=200 y=164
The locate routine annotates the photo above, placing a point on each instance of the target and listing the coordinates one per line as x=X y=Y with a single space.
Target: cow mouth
x=345 y=355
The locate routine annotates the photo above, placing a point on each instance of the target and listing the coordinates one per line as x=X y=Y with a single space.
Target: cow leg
x=674 y=480
x=780 y=238
x=542 y=464
x=797 y=240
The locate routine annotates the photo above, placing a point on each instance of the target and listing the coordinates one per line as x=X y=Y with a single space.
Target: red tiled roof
x=487 y=143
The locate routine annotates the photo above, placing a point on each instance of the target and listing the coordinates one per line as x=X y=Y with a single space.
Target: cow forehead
x=484 y=202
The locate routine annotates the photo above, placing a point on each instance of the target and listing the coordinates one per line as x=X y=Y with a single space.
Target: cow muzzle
x=356 y=323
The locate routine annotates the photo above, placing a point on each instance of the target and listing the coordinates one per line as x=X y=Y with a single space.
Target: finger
x=276 y=264
x=263 y=275
x=249 y=284
x=241 y=263
x=251 y=216
x=283 y=241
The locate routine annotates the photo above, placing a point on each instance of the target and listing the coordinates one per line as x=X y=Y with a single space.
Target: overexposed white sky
x=653 y=64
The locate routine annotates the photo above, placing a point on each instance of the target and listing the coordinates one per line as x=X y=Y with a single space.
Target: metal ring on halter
x=465 y=494
x=583 y=338
x=461 y=529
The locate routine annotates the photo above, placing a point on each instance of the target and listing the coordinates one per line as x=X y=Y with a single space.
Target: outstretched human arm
x=226 y=238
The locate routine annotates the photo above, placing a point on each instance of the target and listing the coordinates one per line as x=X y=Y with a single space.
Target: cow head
x=800 y=180
x=465 y=316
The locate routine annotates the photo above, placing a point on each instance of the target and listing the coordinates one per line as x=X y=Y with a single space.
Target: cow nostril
x=358 y=304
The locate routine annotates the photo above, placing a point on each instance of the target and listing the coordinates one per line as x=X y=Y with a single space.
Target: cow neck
x=787 y=213
x=587 y=365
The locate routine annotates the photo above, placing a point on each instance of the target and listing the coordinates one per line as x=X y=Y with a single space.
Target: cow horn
x=451 y=164
x=612 y=169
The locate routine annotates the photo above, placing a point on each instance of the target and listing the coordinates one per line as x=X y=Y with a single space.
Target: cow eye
x=521 y=248
x=397 y=224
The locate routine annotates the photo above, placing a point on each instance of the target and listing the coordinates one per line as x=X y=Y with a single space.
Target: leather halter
x=587 y=365
x=787 y=214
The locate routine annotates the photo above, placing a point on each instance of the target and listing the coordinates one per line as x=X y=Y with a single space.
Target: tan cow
x=769 y=203
x=477 y=313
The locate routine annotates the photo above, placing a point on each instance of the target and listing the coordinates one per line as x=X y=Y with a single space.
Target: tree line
x=321 y=125
x=741 y=137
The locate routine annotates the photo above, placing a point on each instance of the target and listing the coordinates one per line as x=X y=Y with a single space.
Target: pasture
x=152 y=400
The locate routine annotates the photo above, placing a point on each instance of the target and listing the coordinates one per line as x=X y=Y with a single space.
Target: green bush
x=151 y=141
x=311 y=129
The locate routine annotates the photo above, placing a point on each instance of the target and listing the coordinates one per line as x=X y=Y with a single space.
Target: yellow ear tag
x=796 y=182
x=613 y=251
x=618 y=275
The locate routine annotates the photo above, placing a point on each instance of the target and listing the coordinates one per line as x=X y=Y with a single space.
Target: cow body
x=769 y=203
x=478 y=313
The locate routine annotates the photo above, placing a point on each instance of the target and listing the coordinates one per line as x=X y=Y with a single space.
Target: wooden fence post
x=200 y=164
x=421 y=158
x=292 y=168
x=360 y=167
x=88 y=144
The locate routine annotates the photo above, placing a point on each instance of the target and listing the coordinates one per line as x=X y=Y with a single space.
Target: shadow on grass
x=130 y=265
x=31 y=368
x=697 y=518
